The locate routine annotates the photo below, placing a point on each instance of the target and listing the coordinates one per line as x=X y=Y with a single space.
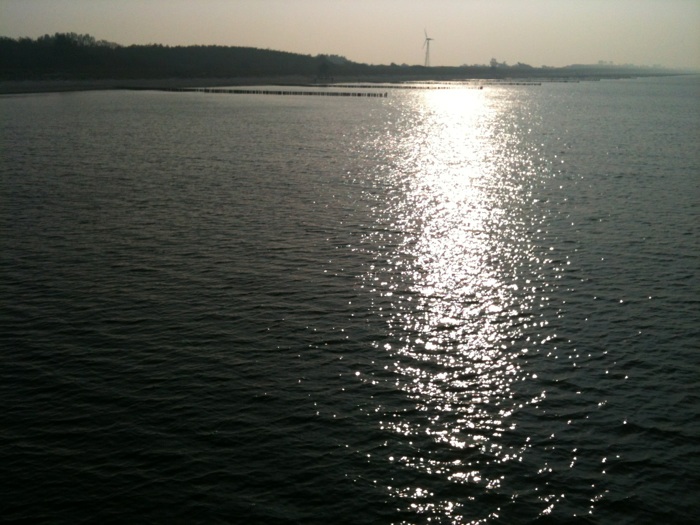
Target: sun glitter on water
x=453 y=290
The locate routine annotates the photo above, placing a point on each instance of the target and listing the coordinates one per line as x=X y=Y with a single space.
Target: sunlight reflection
x=455 y=287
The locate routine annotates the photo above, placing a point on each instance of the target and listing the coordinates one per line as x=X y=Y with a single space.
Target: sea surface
x=458 y=305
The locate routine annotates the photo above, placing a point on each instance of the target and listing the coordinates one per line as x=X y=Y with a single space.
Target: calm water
x=453 y=306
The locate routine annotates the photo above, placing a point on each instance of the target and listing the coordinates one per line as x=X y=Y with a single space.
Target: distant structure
x=426 y=45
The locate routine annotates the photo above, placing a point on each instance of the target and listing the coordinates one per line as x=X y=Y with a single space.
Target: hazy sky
x=537 y=32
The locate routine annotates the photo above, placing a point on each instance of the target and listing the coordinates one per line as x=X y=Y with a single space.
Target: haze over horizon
x=537 y=32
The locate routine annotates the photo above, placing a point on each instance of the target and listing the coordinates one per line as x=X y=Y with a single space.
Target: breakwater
x=328 y=90
x=435 y=86
x=278 y=92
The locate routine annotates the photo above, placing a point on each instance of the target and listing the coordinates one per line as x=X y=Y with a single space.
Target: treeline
x=70 y=55
x=75 y=56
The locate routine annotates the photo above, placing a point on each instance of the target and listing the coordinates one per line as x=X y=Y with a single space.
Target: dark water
x=453 y=306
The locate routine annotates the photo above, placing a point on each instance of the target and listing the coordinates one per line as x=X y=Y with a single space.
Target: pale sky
x=536 y=32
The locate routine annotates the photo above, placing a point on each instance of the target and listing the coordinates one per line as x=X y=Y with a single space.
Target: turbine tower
x=426 y=45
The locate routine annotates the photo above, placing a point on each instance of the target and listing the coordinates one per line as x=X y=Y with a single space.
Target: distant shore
x=75 y=62
x=18 y=87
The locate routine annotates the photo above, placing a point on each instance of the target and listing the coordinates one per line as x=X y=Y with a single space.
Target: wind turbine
x=426 y=45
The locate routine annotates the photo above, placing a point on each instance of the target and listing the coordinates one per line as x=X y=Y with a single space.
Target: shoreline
x=25 y=87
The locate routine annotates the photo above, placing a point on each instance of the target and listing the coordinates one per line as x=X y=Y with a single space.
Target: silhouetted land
x=72 y=61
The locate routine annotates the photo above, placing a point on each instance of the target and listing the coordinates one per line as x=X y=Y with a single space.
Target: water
x=453 y=306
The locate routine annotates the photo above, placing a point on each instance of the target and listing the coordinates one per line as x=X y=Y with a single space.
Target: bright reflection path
x=455 y=285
